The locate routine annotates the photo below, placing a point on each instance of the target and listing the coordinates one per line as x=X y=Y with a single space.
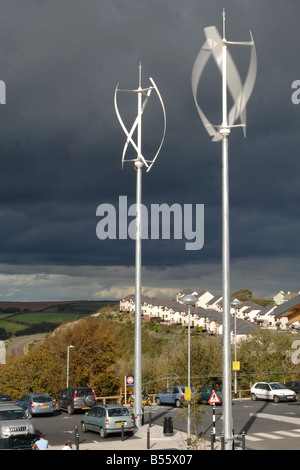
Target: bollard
x=76 y=437
x=122 y=432
x=168 y=426
x=149 y=419
x=222 y=442
x=243 y=440
x=148 y=438
x=212 y=440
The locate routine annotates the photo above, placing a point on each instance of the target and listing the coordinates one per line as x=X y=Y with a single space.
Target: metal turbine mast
x=217 y=46
x=143 y=95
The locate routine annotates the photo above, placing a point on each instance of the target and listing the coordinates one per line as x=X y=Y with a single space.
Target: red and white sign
x=214 y=399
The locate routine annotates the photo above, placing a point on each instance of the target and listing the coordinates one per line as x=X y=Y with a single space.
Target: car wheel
x=177 y=403
x=70 y=409
x=298 y=396
x=83 y=427
x=276 y=399
x=57 y=406
x=27 y=412
x=158 y=401
x=253 y=397
x=102 y=433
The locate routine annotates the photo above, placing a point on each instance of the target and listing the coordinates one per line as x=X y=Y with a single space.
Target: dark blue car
x=205 y=393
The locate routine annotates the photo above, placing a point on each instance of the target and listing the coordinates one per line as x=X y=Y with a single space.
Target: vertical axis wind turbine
x=217 y=47
x=139 y=163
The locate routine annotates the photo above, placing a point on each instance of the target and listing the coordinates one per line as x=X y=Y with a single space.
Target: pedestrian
x=68 y=446
x=42 y=443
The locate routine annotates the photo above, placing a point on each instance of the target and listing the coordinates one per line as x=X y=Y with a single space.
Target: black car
x=295 y=386
x=75 y=399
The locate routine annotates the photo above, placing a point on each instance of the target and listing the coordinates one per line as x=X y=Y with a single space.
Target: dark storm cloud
x=61 y=143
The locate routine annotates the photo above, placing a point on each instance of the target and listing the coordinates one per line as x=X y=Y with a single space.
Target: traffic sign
x=214 y=399
x=129 y=380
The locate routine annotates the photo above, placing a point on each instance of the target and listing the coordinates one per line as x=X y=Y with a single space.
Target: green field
x=29 y=322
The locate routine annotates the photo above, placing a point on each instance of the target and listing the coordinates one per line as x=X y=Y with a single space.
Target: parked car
x=76 y=399
x=36 y=403
x=5 y=398
x=295 y=386
x=205 y=393
x=174 y=395
x=107 y=419
x=272 y=391
x=14 y=421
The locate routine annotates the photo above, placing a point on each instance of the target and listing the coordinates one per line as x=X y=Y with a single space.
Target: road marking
x=287 y=433
x=267 y=435
x=252 y=438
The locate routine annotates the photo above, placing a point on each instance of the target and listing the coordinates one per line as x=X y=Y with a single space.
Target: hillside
x=25 y=318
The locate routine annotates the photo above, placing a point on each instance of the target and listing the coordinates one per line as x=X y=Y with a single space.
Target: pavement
x=145 y=438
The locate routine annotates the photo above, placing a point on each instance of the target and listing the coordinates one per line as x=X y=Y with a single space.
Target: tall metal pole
x=138 y=268
x=216 y=46
x=189 y=372
x=225 y=131
x=139 y=162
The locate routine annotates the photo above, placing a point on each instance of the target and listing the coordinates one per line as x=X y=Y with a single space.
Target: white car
x=272 y=391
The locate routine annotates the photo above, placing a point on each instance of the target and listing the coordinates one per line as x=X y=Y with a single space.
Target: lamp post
x=189 y=300
x=68 y=362
x=235 y=303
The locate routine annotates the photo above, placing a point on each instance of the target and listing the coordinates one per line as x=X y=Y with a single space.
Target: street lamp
x=189 y=300
x=68 y=362
x=235 y=303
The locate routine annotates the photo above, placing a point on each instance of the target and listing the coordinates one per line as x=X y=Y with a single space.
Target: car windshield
x=8 y=415
x=118 y=412
x=277 y=386
x=42 y=399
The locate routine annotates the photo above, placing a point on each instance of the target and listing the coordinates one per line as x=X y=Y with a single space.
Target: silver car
x=13 y=421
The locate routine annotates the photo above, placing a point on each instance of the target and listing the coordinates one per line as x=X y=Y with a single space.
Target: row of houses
x=207 y=313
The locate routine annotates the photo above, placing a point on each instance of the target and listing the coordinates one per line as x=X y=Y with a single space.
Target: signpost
x=128 y=382
x=214 y=399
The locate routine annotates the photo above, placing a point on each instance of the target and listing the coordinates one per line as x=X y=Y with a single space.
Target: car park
x=14 y=421
x=174 y=395
x=75 y=399
x=295 y=386
x=205 y=393
x=107 y=420
x=271 y=391
x=36 y=403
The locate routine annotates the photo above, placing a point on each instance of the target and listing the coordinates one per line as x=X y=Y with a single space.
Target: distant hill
x=32 y=306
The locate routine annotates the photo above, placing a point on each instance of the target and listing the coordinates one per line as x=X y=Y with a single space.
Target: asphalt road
x=262 y=422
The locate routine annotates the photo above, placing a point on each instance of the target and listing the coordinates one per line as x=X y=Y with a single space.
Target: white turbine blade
x=129 y=140
x=240 y=93
x=129 y=137
x=199 y=65
x=165 y=122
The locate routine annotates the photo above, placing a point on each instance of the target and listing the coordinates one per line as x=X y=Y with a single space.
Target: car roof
x=111 y=405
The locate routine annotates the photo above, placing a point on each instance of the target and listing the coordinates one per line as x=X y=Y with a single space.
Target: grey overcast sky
x=61 y=146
